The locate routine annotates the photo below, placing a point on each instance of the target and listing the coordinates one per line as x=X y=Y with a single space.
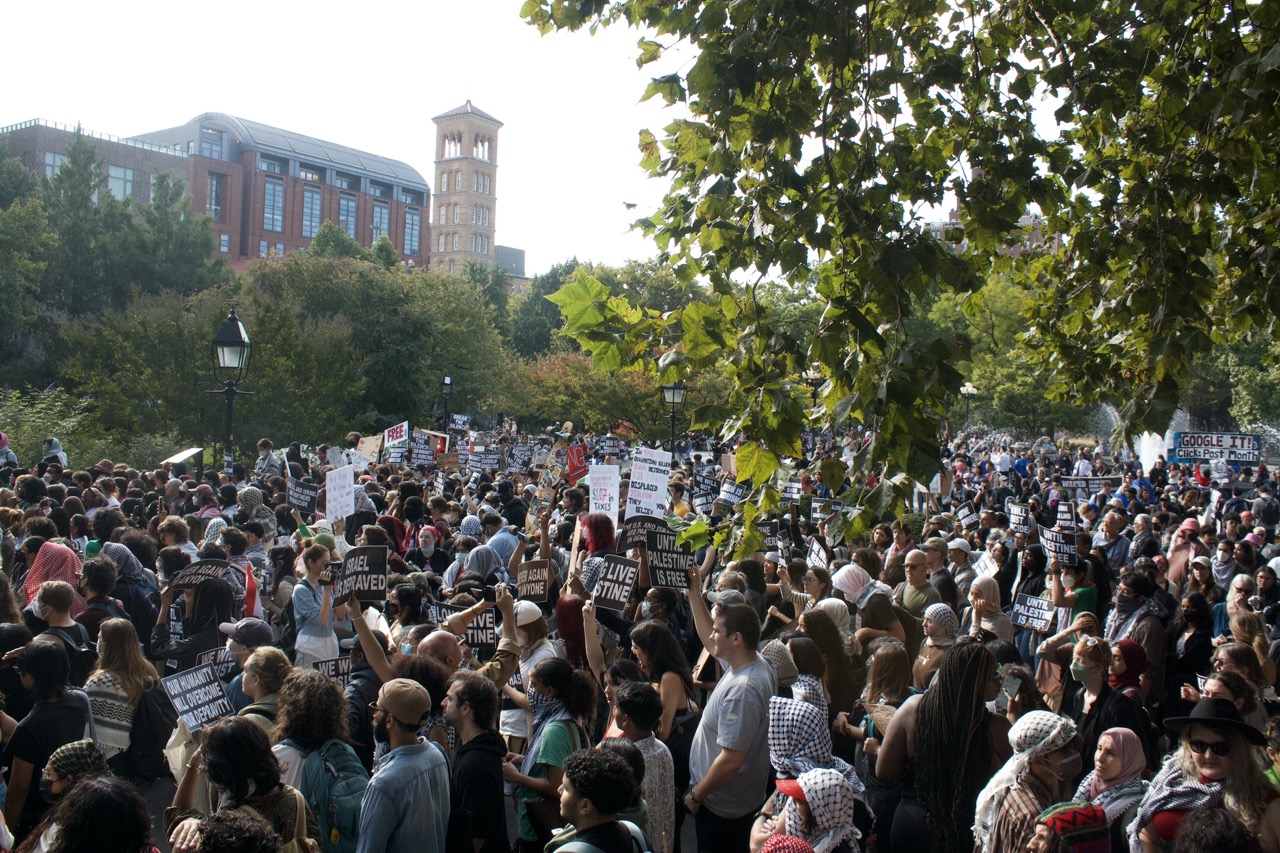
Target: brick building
x=466 y=188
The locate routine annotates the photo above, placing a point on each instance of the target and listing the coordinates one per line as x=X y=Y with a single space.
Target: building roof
x=467 y=109
x=273 y=139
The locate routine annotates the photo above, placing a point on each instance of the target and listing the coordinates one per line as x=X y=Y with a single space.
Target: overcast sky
x=369 y=75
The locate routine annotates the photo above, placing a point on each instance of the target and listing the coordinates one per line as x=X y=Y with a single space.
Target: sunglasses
x=1217 y=747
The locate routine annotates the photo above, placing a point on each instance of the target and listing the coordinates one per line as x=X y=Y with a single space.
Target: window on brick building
x=412 y=230
x=347 y=213
x=262 y=248
x=52 y=163
x=273 y=205
x=310 y=173
x=211 y=143
x=455 y=242
x=224 y=243
x=217 y=187
x=280 y=249
x=310 y=211
x=457 y=181
x=381 y=219
x=120 y=181
x=440 y=244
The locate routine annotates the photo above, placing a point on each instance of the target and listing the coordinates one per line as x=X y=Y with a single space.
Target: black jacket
x=476 y=787
x=361 y=689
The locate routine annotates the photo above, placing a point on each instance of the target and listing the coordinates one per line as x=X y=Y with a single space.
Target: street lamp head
x=673 y=394
x=231 y=349
x=968 y=391
x=446 y=385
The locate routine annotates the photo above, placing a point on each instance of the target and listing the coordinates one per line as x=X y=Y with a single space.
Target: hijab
x=485 y=562
x=126 y=562
x=1135 y=664
x=395 y=532
x=1133 y=760
x=837 y=610
x=944 y=617
x=830 y=799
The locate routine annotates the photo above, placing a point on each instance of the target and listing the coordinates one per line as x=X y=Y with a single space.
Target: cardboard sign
x=1059 y=545
x=1031 y=612
x=531 y=580
x=422 y=448
x=1066 y=518
x=603 y=483
x=648 y=492
x=395 y=443
x=302 y=496
x=705 y=489
x=816 y=556
x=617 y=579
x=1231 y=448
x=195 y=574
x=368 y=447
x=339 y=669
x=340 y=492
x=769 y=529
x=198 y=696
x=966 y=517
x=459 y=422
x=364 y=574
x=1019 y=517
x=668 y=562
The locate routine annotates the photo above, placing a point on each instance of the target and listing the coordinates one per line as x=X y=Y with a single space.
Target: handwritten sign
x=195 y=574
x=340 y=492
x=198 y=696
x=302 y=496
x=364 y=574
x=603 y=481
x=617 y=579
x=1059 y=545
x=668 y=562
x=339 y=669
x=531 y=580
x=647 y=494
x=1019 y=517
x=1032 y=612
x=575 y=463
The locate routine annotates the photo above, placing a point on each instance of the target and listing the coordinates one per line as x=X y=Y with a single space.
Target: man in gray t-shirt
x=729 y=758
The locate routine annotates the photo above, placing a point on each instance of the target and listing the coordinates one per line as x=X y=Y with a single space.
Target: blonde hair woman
x=117 y=685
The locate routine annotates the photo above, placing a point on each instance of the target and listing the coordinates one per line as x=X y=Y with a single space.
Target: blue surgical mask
x=644 y=608
x=406 y=648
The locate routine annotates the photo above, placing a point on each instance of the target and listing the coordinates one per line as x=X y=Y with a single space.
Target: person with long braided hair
x=944 y=746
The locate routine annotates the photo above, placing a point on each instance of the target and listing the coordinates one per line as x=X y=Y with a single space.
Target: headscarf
x=80 y=758
x=251 y=503
x=800 y=740
x=990 y=591
x=945 y=618
x=73 y=505
x=485 y=562
x=1172 y=789
x=830 y=799
x=784 y=666
x=837 y=610
x=395 y=531
x=1035 y=734
x=54 y=562
x=850 y=580
x=1116 y=795
x=1135 y=664
x=126 y=562
x=470 y=526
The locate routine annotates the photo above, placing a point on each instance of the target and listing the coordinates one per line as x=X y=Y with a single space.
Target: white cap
x=959 y=544
x=526 y=612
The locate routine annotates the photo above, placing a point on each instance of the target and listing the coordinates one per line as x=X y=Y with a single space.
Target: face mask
x=428 y=549
x=645 y=612
x=1124 y=601
x=47 y=792
x=452 y=518
x=538 y=700
x=1068 y=581
x=406 y=648
x=1069 y=767
x=391 y=609
x=1080 y=671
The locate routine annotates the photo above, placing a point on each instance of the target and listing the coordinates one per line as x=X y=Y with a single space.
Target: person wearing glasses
x=1098 y=706
x=1213 y=767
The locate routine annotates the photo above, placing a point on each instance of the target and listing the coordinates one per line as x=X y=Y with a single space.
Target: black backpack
x=1270 y=511
x=153 y=724
x=82 y=653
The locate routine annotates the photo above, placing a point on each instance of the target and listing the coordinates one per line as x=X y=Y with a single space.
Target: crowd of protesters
x=822 y=693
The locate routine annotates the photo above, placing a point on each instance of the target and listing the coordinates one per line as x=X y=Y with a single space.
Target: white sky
x=369 y=75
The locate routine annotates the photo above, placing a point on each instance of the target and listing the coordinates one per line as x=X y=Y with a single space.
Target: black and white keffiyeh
x=800 y=741
x=1036 y=733
x=1172 y=790
x=830 y=799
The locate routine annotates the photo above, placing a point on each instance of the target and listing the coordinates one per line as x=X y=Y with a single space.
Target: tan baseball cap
x=407 y=701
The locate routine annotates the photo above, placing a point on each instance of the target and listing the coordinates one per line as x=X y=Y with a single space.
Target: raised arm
x=698 y=606
x=595 y=654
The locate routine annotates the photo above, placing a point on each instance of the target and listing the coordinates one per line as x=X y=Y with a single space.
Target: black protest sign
x=1090 y=484
x=610 y=445
x=485 y=460
x=617 y=579
x=731 y=493
x=520 y=457
x=1019 y=517
x=1066 y=514
x=1031 y=612
x=422 y=448
x=816 y=556
x=197 y=573
x=459 y=422
x=531 y=580
x=198 y=696
x=364 y=574
x=481 y=633
x=339 y=669
x=966 y=517
x=1059 y=545
x=221 y=659
x=635 y=533
x=823 y=510
x=302 y=496
x=705 y=489
x=668 y=562
x=792 y=491
x=769 y=529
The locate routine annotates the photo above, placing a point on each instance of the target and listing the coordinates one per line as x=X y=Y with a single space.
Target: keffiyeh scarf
x=1172 y=790
x=830 y=799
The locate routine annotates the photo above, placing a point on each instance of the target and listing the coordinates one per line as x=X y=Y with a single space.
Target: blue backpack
x=333 y=782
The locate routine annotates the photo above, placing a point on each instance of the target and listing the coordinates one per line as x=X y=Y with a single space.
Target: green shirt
x=914 y=599
x=559 y=738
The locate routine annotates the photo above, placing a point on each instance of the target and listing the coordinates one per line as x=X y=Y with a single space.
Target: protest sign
x=791 y=492
x=395 y=443
x=447 y=461
x=603 y=482
x=610 y=445
x=364 y=574
x=1066 y=518
x=617 y=579
x=635 y=532
x=823 y=510
x=705 y=489
x=1031 y=612
x=986 y=565
x=340 y=492
x=195 y=574
x=769 y=529
x=668 y=562
x=531 y=580
x=339 y=669
x=647 y=494
x=422 y=447
x=575 y=464
x=488 y=459
x=1019 y=517
x=464 y=458
x=966 y=517
x=368 y=448
x=1059 y=545
x=198 y=696
x=1089 y=485
x=731 y=493
x=222 y=661
x=1232 y=448
x=520 y=457
x=482 y=633
x=816 y=556
x=459 y=422
x=302 y=496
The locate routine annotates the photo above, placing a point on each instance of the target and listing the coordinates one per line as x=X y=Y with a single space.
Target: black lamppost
x=231 y=351
x=968 y=391
x=673 y=394
x=446 y=388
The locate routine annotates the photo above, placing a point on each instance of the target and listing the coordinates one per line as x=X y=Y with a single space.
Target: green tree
x=536 y=320
x=178 y=247
x=495 y=286
x=384 y=252
x=331 y=241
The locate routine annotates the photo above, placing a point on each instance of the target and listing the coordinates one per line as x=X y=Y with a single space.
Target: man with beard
x=471 y=707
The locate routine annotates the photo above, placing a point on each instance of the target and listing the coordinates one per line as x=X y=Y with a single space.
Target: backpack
x=911 y=627
x=112 y=608
x=297 y=828
x=82 y=653
x=142 y=601
x=1270 y=511
x=638 y=841
x=288 y=624
x=153 y=724
x=333 y=782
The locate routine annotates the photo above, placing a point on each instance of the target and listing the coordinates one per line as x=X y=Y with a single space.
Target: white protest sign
x=647 y=494
x=395 y=443
x=340 y=492
x=603 y=481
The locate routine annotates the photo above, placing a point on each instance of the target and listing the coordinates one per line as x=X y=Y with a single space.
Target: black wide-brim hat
x=1216 y=713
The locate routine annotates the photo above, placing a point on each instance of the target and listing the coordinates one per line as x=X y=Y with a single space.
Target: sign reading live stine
x=1232 y=447
x=617 y=579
